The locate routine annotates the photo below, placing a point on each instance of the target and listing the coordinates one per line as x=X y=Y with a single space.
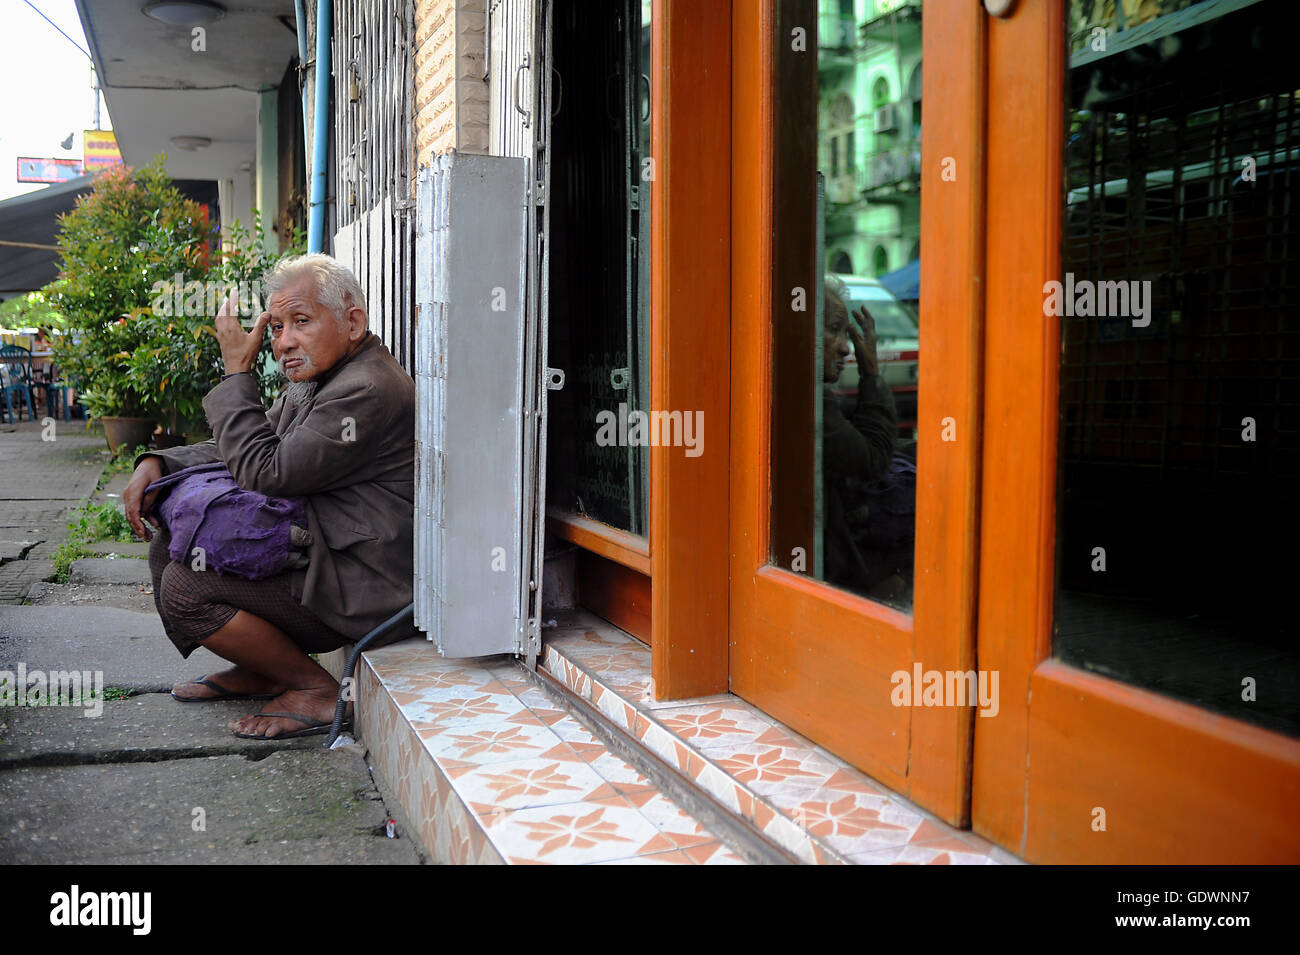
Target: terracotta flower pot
x=128 y=432
x=166 y=439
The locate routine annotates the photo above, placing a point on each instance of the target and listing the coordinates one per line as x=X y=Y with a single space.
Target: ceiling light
x=191 y=142
x=183 y=13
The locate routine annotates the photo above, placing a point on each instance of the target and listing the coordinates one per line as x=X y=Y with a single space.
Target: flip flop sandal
x=313 y=727
x=223 y=696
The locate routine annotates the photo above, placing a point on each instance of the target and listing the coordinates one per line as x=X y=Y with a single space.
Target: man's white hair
x=337 y=289
x=836 y=287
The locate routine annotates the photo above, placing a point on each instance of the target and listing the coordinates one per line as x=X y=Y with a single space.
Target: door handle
x=519 y=72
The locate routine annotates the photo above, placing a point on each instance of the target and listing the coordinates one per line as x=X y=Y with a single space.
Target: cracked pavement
x=151 y=780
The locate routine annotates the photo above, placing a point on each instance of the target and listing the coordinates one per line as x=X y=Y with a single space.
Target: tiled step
x=491 y=769
x=795 y=794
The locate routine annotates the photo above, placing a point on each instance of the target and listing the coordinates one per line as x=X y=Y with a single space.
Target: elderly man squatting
x=340 y=437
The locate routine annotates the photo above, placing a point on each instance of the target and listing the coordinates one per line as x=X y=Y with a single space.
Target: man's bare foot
x=236 y=682
x=315 y=702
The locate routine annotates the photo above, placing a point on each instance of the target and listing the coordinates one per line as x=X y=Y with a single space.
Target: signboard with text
x=47 y=170
x=100 y=149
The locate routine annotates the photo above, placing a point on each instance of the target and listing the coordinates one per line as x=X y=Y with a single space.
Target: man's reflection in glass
x=869 y=484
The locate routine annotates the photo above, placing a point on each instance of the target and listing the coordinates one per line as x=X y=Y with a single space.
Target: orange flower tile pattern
x=803 y=798
x=494 y=771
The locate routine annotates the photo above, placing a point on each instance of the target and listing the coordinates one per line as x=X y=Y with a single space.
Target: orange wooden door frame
x=818 y=658
x=674 y=592
x=1177 y=784
x=690 y=250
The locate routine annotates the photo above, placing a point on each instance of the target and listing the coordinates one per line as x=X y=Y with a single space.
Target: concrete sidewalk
x=149 y=780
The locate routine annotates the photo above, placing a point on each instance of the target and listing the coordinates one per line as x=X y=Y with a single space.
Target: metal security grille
x=373 y=177
x=512 y=69
x=1187 y=185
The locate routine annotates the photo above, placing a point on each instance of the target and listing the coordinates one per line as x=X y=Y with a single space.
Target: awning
x=905 y=284
x=29 y=227
x=32 y=220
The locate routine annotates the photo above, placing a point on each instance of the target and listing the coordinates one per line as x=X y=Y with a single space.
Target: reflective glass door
x=853 y=385
x=1139 y=435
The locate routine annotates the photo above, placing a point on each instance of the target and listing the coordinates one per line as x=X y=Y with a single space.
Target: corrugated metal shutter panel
x=474 y=499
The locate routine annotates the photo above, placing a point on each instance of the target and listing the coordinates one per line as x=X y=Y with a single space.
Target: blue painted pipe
x=320 y=142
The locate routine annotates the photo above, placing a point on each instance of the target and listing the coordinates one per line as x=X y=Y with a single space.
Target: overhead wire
x=57 y=27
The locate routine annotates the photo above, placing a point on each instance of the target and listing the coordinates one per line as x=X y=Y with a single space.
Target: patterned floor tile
x=492 y=743
x=585 y=637
x=856 y=823
x=535 y=697
x=713 y=853
x=653 y=706
x=811 y=802
x=621 y=775
x=766 y=768
x=707 y=727
x=677 y=825
x=441 y=692
x=451 y=677
x=538 y=786
x=463 y=708
x=570 y=834
x=549 y=716
x=604 y=660
x=525 y=784
x=571 y=729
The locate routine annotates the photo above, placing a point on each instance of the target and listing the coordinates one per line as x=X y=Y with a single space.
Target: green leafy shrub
x=126 y=247
x=179 y=359
x=133 y=229
x=90 y=522
x=32 y=310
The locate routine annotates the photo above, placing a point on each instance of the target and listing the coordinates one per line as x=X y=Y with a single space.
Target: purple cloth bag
x=241 y=532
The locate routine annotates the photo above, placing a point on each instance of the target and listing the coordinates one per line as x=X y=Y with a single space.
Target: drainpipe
x=320 y=142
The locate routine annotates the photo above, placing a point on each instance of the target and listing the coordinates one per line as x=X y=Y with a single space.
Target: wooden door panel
x=1176 y=783
x=1019 y=426
x=842 y=649
x=818 y=658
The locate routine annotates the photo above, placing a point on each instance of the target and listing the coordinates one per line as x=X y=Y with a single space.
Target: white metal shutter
x=481 y=374
x=470 y=465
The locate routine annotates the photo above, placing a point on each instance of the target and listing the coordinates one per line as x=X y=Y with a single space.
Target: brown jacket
x=349 y=450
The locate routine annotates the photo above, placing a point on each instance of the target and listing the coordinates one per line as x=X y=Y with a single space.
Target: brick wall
x=451 y=98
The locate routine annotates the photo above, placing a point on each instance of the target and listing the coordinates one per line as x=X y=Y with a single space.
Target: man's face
x=305 y=336
x=835 y=340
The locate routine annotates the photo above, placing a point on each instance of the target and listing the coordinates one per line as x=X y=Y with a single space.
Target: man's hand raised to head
x=862 y=331
x=238 y=348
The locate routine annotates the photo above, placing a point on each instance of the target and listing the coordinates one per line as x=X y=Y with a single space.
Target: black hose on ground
x=405 y=616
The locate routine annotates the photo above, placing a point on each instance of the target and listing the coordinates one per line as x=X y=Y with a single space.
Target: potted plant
x=133 y=229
